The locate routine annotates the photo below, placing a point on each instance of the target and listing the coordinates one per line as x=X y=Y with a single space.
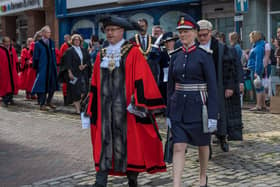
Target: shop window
x=275 y=5
x=85 y=28
x=136 y=17
x=168 y=21
x=275 y=23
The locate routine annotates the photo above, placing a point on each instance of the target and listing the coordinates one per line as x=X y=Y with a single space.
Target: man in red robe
x=122 y=101
x=8 y=72
x=63 y=48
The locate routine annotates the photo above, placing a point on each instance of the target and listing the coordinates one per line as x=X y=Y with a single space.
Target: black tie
x=143 y=43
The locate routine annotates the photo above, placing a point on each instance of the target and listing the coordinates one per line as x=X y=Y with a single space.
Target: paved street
x=50 y=149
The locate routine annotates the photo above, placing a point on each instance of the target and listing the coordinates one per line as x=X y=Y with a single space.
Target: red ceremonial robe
x=144 y=148
x=8 y=71
x=31 y=73
x=63 y=48
x=24 y=59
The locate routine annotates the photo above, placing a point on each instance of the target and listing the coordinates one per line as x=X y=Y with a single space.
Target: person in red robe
x=63 y=48
x=122 y=101
x=25 y=66
x=8 y=72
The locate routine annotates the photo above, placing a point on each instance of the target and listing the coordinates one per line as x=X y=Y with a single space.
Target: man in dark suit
x=145 y=42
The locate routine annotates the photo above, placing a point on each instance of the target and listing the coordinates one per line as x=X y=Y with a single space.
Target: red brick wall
x=36 y=20
x=8 y=24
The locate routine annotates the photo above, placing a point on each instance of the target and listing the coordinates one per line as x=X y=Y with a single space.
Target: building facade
x=21 y=19
x=262 y=15
x=82 y=16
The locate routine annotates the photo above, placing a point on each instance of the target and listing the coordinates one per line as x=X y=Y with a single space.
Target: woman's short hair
x=234 y=37
x=76 y=36
x=255 y=35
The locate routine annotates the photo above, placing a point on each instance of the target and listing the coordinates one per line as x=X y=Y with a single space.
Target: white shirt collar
x=116 y=46
x=208 y=45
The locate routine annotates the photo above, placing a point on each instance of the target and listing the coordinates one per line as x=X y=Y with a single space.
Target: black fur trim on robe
x=93 y=118
x=141 y=98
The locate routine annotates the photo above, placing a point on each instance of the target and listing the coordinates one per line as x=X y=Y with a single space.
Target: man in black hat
x=123 y=97
x=167 y=48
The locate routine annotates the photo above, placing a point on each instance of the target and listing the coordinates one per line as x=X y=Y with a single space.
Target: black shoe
x=132 y=178
x=98 y=185
x=224 y=146
x=206 y=182
x=12 y=102
x=4 y=104
x=132 y=183
x=65 y=101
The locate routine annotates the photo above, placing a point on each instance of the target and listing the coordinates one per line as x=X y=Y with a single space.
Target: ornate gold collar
x=145 y=53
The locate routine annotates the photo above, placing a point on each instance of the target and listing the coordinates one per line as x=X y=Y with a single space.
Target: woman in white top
x=78 y=65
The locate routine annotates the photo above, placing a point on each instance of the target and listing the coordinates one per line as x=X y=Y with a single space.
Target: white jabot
x=112 y=52
x=79 y=52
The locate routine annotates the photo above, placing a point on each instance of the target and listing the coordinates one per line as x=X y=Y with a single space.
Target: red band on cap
x=187 y=23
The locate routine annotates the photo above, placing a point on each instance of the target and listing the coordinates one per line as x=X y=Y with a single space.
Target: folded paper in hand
x=73 y=81
x=133 y=110
x=85 y=121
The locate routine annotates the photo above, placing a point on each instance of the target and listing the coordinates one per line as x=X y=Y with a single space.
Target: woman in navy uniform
x=191 y=84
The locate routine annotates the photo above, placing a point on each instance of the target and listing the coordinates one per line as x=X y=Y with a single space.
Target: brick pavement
x=253 y=162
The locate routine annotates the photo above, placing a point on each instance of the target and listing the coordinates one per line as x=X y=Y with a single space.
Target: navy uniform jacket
x=192 y=66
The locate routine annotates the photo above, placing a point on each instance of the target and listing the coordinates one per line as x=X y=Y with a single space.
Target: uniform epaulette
x=205 y=49
x=174 y=51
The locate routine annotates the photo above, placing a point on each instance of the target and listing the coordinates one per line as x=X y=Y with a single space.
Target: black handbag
x=84 y=104
x=168 y=148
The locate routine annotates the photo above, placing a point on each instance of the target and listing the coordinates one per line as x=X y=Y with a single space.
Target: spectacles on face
x=113 y=29
x=204 y=35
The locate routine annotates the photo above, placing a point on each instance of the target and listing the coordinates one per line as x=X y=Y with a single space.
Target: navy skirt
x=190 y=133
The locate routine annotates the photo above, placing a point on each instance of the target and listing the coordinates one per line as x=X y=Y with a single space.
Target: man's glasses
x=204 y=35
x=112 y=29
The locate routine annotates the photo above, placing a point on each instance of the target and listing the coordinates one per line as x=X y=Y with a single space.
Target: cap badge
x=182 y=21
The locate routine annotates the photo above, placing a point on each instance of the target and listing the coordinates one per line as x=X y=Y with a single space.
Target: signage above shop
x=77 y=4
x=241 y=6
x=15 y=6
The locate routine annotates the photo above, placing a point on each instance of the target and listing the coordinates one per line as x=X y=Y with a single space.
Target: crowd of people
x=193 y=78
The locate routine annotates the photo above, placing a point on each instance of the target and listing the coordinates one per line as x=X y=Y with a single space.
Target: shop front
x=83 y=16
x=21 y=19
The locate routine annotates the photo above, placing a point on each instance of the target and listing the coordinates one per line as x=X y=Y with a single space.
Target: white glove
x=168 y=122
x=212 y=125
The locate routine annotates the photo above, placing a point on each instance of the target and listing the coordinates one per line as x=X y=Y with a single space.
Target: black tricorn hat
x=168 y=36
x=113 y=20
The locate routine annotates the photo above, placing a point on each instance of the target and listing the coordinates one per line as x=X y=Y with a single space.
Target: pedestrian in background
x=78 y=66
x=25 y=66
x=44 y=62
x=224 y=66
x=93 y=48
x=8 y=72
x=63 y=48
x=167 y=42
x=256 y=66
x=191 y=75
